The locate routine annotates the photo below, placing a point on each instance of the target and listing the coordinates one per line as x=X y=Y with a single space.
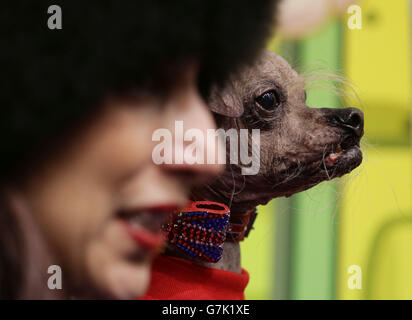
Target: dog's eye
x=268 y=100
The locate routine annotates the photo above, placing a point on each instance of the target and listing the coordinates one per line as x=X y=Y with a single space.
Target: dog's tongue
x=330 y=161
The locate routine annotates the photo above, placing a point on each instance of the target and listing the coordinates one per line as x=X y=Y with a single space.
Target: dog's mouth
x=336 y=160
x=343 y=158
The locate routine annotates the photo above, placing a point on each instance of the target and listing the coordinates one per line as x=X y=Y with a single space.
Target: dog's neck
x=230 y=260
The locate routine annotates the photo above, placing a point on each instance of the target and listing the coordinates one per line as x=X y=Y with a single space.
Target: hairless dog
x=299 y=146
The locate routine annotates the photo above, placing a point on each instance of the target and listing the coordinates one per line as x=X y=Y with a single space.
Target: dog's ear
x=225 y=101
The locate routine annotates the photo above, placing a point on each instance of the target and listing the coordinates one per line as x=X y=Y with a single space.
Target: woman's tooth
x=134 y=221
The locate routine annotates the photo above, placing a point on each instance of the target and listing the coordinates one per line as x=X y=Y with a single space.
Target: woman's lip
x=148 y=240
x=142 y=234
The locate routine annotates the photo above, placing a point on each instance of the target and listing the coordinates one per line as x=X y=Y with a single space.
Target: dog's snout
x=352 y=119
x=348 y=118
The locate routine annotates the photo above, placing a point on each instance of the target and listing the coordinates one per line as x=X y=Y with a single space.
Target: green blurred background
x=349 y=238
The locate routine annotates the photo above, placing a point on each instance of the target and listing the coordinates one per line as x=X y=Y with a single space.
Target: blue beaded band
x=199 y=230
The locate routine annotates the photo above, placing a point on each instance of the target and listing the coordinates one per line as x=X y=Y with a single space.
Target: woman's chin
x=117 y=267
x=127 y=281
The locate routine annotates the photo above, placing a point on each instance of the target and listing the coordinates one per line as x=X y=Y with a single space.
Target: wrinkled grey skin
x=295 y=142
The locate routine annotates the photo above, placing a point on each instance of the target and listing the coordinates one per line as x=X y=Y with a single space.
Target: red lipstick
x=144 y=224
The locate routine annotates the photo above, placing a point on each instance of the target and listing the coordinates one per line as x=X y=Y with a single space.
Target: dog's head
x=299 y=146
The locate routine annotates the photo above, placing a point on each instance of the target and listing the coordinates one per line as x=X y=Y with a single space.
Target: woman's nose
x=196 y=149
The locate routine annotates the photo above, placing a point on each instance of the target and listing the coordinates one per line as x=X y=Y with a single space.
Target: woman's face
x=101 y=201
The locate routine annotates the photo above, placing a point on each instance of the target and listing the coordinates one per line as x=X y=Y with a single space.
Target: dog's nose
x=351 y=119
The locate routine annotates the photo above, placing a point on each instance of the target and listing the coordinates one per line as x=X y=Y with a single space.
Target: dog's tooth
x=333 y=157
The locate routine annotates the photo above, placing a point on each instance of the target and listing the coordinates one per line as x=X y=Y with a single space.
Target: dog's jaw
x=242 y=193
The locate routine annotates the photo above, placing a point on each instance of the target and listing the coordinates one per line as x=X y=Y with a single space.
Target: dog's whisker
x=324 y=164
x=234 y=187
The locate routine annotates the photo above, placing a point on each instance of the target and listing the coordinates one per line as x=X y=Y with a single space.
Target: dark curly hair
x=49 y=79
